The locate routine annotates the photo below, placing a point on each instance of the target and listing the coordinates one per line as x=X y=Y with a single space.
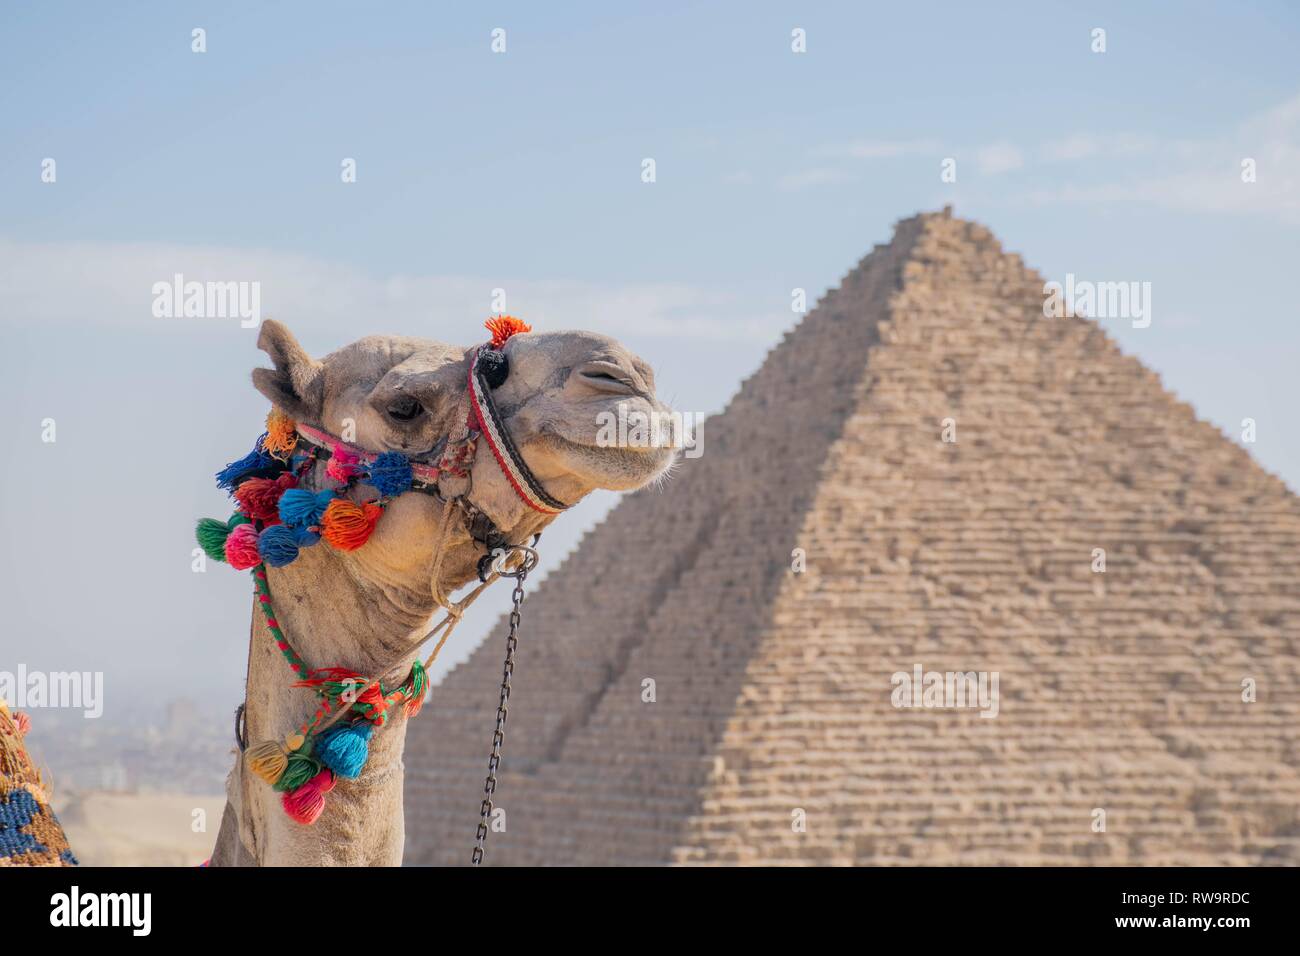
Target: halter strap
x=425 y=477
x=486 y=419
x=503 y=447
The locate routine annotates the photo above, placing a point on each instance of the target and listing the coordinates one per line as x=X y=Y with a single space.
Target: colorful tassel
x=281 y=434
x=257 y=463
x=332 y=682
x=300 y=508
x=342 y=464
x=211 y=535
x=241 y=548
x=345 y=749
x=301 y=767
x=259 y=498
x=278 y=545
x=267 y=760
x=22 y=722
x=390 y=474
x=504 y=326
x=305 y=804
x=348 y=525
x=419 y=689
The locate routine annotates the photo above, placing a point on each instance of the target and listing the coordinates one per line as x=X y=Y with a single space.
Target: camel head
x=557 y=396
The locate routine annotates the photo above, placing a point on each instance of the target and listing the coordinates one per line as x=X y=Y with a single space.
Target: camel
x=365 y=608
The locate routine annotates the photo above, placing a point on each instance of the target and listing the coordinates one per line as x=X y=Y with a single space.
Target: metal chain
x=503 y=709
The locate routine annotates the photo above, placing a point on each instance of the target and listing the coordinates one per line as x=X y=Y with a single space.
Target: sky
x=522 y=170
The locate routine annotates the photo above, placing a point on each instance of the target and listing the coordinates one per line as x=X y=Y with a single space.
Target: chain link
x=503 y=709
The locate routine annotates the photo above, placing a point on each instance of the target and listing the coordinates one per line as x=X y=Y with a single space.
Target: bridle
x=493 y=430
x=276 y=519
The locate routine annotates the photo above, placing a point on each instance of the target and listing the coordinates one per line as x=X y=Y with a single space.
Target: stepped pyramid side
x=1119 y=690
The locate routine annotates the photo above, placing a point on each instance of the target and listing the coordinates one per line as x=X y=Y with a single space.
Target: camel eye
x=404 y=408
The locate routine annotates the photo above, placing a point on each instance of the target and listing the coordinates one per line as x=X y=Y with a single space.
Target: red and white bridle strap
x=526 y=485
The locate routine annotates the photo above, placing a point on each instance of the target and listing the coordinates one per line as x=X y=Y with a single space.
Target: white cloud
x=1078 y=146
x=111 y=283
x=816 y=176
x=1198 y=175
x=741 y=177
x=998 y=158
x=879 y=149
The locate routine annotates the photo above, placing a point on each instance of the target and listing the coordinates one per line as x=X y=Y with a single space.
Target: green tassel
x=302 y=767
x=211 y=535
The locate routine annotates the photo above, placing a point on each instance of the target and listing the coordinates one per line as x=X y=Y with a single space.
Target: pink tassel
x=241 y=547
x=22 y=722
x=342 y=464
x=306 y=804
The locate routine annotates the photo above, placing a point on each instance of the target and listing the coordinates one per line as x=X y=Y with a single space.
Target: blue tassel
x=345 y=749
x=278 y=545
x=300 y=508
x=256 y=463
x=304 y=537
x=390 y=474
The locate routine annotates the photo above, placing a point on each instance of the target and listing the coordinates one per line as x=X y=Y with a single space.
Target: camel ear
x=295 y=385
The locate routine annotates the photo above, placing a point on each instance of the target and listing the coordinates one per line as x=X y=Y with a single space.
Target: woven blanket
x=29 y=833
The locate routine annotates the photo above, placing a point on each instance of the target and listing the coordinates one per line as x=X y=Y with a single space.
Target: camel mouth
x=620 y=467
x=632 y=452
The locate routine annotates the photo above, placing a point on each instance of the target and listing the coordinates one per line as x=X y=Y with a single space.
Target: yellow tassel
x=267 y=760
x=293 y=742
x=281 y=433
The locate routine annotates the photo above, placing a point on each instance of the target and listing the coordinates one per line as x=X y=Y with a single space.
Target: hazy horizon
x=522 y=171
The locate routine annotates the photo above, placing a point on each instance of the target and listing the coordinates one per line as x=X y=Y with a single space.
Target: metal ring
x=500 y=555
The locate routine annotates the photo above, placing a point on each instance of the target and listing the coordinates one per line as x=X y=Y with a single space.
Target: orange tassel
x=281 y=433
x=348 y=525
x=504 y=326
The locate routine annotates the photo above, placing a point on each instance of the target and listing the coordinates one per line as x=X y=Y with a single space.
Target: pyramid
x=1121 y=737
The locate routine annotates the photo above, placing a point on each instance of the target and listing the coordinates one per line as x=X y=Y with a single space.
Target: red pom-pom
x=348 y=525
x=241 y=547
x=342 y=464
x=504 y=326
x=259 y=498
x=307 y=802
